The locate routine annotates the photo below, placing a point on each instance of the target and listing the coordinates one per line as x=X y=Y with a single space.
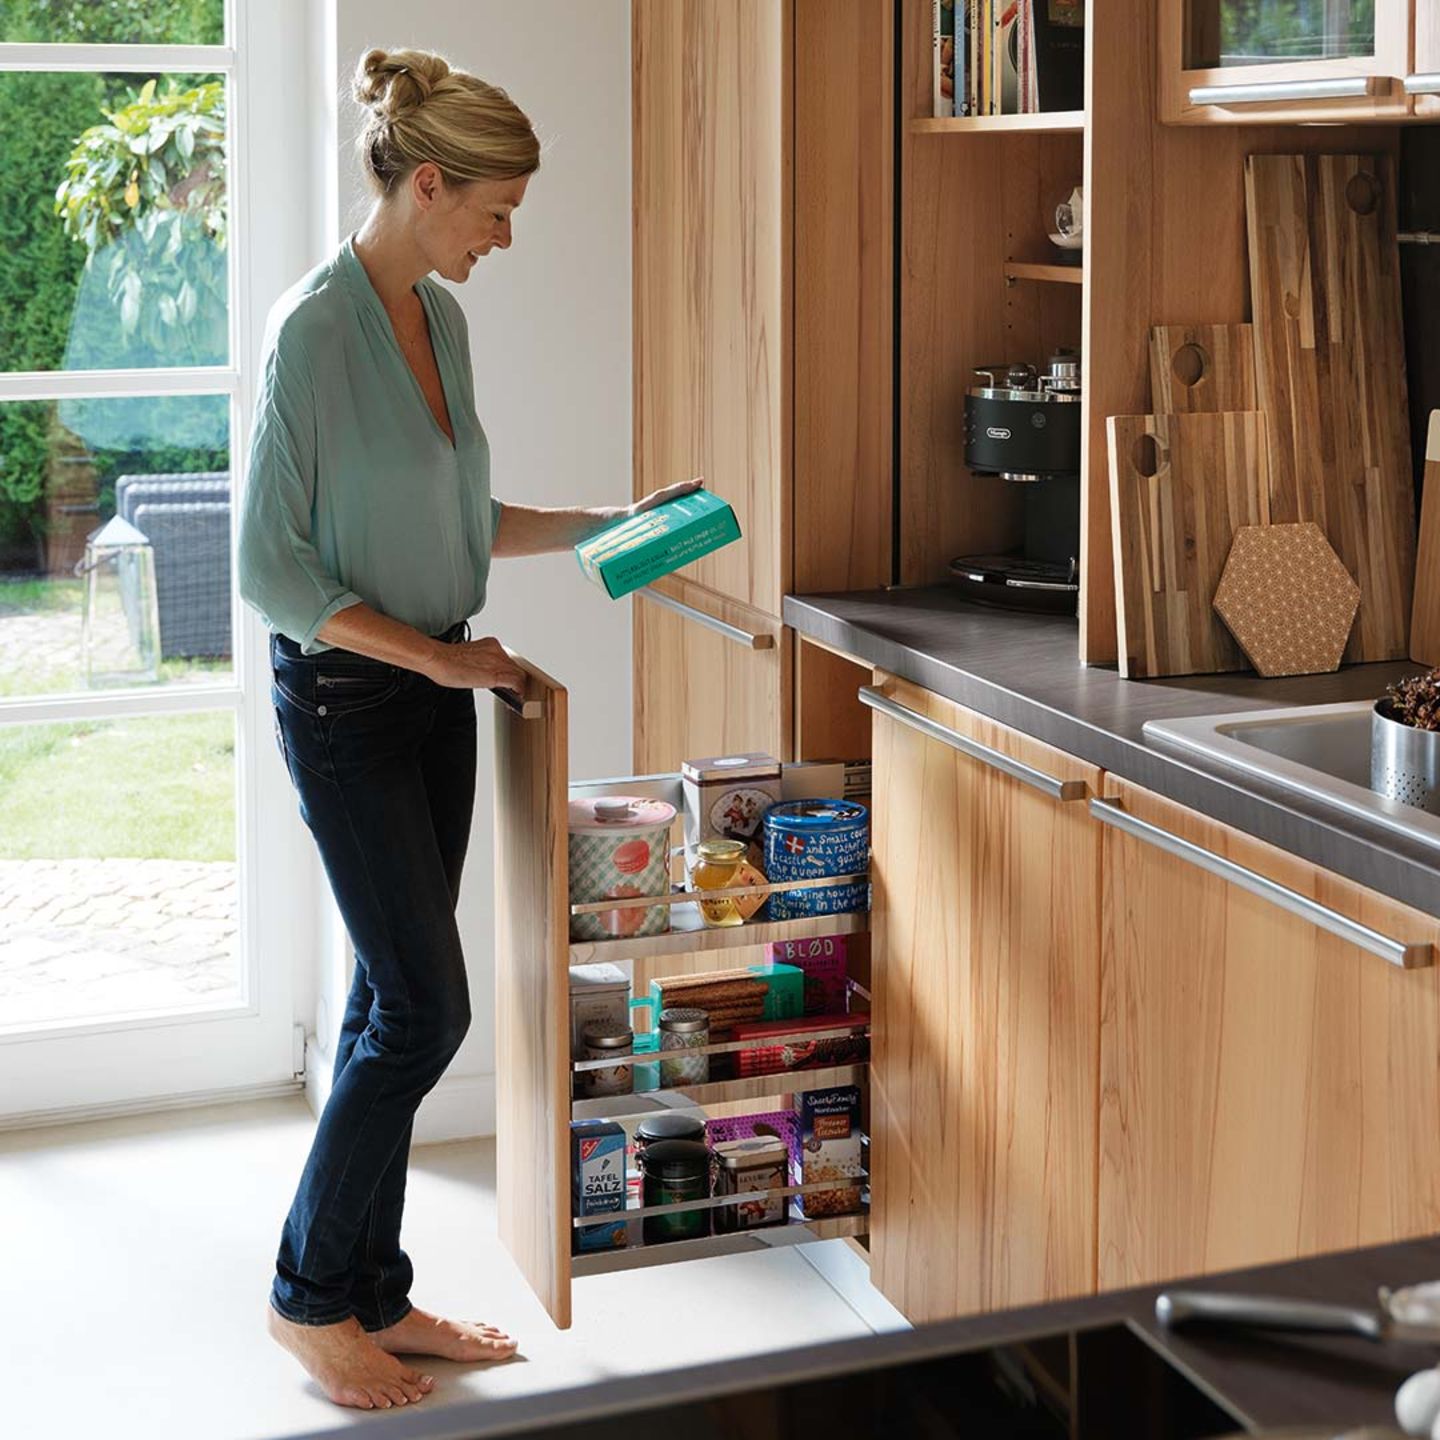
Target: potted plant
x=1405 y=742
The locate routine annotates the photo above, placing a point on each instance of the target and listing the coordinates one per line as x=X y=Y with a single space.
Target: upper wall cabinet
x=1238 y=61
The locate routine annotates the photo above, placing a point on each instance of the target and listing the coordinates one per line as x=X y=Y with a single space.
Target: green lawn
x=157 y=787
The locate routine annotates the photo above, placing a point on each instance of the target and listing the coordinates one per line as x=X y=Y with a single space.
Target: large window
x=126 y=670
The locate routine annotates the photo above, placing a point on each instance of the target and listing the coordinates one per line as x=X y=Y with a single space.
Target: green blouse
x=354 y=492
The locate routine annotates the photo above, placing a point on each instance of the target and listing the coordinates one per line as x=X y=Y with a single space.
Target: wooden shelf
x=717 y=1092
x=1052 y=122
x=1058 y=274
x=795 y=1232
x=688 y=935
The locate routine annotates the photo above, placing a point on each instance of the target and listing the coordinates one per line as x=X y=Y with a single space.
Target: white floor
x=136 y=1264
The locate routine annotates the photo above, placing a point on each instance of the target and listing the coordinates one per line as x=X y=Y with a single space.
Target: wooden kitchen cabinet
x=1327 y=60
x=986 y=924
x=712 y=678
x=1269 y=1090
x=769 y=374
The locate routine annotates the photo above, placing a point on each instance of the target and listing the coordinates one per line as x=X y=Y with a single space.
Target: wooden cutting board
x=1201 y=368
x=1425 y=619
x=1173 y=531
x=1330 y=372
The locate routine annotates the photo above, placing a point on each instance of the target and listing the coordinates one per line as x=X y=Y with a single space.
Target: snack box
x=784 y=996
x=830 y=1149
x=822 y=959
x=798 y=1053
x=642 y=548
x=597 y=1181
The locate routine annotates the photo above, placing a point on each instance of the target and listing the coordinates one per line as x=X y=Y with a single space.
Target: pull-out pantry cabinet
x=534 y=1076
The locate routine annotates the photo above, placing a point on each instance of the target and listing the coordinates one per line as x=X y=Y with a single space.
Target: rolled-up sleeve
x=280 y=573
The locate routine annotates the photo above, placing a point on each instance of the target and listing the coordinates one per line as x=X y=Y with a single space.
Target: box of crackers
x=642 y=548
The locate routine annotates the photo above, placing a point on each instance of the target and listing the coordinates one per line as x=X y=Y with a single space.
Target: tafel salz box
x=597 y=1181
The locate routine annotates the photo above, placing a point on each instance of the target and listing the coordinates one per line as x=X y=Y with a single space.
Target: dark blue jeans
x=383 y=761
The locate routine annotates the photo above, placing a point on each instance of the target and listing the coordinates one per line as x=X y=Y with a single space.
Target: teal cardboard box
x=636 y=551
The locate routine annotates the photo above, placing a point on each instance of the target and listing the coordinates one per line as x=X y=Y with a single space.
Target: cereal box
x=822 y=958
x=597 y=1181
x=830 y=1149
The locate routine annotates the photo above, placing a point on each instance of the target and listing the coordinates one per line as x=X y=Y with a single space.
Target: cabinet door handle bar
x=1424 y=84
x=878 y=701
x=1270 y=92
x=699 y=617
x=1397 y=952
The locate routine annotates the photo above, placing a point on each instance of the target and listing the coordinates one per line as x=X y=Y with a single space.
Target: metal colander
x=1404 y=761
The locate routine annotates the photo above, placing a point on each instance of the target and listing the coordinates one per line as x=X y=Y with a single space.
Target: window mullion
x=212 y=59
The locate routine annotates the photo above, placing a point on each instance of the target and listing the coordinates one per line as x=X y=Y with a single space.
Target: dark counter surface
x=1023 y=671
x=1263 y=1380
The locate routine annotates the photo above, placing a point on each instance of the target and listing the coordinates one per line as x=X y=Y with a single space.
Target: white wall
x=550 y=337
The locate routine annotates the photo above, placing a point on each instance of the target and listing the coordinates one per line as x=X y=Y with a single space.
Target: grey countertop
x=1023 y=670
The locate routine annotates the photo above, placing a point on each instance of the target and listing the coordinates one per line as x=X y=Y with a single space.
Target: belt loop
x=467 y=629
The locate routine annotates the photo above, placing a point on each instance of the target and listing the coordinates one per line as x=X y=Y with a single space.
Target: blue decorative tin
x=809 y=839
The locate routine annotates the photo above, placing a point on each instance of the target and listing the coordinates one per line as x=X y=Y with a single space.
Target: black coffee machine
x=1024 y=426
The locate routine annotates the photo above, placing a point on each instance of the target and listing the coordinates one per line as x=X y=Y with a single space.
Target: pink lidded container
x=619 y=849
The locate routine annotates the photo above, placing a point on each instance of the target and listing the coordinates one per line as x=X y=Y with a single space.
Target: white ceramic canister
x=619 y=849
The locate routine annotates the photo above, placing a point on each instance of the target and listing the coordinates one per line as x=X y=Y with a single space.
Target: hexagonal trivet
x=1287 y=599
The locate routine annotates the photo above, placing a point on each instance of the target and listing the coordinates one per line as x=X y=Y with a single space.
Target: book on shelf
x=944 y=67
x=1012 y=57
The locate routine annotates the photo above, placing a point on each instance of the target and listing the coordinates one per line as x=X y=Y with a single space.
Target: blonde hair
x=421 y=110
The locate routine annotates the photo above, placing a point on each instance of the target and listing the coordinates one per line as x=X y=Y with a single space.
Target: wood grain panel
x=1330 y=372
x=1425 y=617
x=1166 y=244
x=986 y=986
x=1174 y=527
x=831 y=723
x=844 y=288
x=531 y=992
x=1267 y=1091
x=711 y=264
x=698 y=693
x=1201 y=368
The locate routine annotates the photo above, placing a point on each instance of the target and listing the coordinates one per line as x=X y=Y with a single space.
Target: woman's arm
x=528 y=530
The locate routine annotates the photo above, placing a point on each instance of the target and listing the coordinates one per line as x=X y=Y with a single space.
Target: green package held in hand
x=642 y=548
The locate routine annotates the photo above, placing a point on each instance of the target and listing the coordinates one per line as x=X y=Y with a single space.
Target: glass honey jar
x=717 y=867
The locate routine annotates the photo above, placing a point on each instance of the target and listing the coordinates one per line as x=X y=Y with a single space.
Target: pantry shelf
x=1050 y=122
x=1058 y=274
x=796 y=1231
x=689 y=935
x=718 y=1092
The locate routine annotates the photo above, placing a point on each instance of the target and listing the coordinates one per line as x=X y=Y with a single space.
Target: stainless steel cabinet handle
x=1397 y=952
x=730 y=632
x=1427 y=84
x=1272 y=91
x=880 y=702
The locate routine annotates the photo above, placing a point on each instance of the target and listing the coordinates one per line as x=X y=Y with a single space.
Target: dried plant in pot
x=1405 y=742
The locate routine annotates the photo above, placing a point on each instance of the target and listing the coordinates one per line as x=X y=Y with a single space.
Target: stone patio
x=94 y=939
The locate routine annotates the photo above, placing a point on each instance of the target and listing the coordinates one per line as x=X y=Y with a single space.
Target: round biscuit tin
x=619 y=849
x=809 y=839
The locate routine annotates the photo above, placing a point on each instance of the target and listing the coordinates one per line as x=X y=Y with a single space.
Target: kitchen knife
x=1403 y=1315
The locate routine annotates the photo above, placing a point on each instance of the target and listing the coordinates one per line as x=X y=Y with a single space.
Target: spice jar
x=668 y=1125
x=606 y=1043
x=717 y=866
x=684 y=1029
x=675 y=1171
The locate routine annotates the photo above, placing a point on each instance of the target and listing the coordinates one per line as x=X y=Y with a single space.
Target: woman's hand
x=475 y=665
x=670 y=492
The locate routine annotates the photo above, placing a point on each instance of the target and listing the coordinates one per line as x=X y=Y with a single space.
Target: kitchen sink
x=1318 y=754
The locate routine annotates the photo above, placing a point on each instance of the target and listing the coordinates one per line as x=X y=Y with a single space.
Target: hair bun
x=393 y=82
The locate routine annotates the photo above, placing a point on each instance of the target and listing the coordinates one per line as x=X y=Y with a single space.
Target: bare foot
x=421 y=1333
x=348 y=1366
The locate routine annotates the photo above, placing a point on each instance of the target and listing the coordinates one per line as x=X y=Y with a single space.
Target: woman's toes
x=427 y=1383
x=360 y=1399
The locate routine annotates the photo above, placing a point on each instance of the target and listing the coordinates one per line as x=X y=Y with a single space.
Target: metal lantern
x=120 y=621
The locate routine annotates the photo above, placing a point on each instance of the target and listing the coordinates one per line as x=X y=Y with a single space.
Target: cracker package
x=642 y=548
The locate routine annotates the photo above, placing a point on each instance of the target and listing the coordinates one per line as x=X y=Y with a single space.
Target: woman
x=366 y=541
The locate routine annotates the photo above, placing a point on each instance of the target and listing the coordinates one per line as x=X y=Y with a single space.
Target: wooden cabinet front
x=701 y=691
x=1268 y=1090
x=986 y=993
x=1225 y=62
